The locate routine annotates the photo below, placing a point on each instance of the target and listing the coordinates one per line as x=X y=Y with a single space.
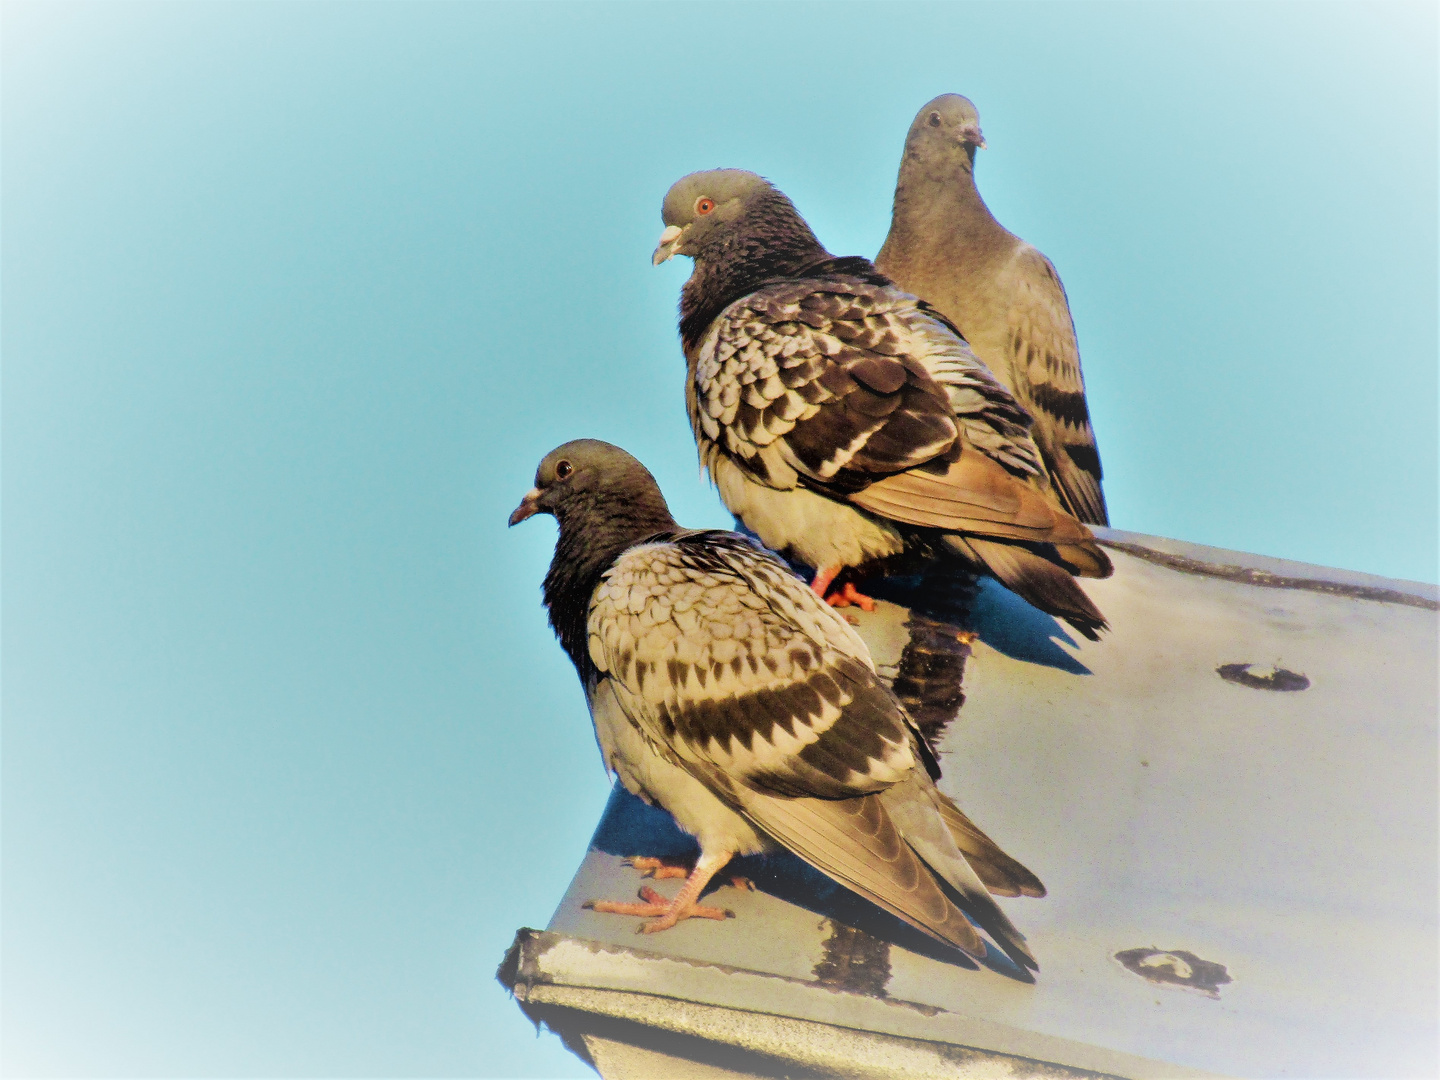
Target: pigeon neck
x=594 y=530
x=932 y=185
x=777 y=246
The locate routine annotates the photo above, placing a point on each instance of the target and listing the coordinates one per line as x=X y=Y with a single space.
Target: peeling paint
x=1262 y=678
x=929 y=678
x=1177 y=967
x=523 y=967
x=854 y=961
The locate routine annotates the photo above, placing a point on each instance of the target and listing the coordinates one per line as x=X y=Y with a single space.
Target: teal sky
x=294 y=299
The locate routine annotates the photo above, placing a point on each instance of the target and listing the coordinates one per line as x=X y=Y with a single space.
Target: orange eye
x=704 y=206
x=563 y=469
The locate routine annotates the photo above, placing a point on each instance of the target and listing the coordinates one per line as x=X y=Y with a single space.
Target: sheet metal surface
x=1288 y=836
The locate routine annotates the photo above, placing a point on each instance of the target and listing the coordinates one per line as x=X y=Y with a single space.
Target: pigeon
x=844 y=421
x=725 y=691
x=1002 y=294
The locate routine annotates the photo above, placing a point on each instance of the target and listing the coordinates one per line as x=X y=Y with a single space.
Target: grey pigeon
x=725 y=691
x=844 y=421
x=1001 y=293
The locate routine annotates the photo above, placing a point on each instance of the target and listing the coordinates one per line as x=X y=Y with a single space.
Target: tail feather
x=1035 y=578
x=1001 y=874
x=1085 y=560
x=857 y=843
x=914 y=807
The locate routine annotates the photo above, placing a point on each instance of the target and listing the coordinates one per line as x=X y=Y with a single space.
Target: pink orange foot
x=660 y=868
x=847 y=594
x=666 y=912
x=844 y=595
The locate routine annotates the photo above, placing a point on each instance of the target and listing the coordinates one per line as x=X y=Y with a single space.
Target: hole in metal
x=1258 y=678
x=1177 y=967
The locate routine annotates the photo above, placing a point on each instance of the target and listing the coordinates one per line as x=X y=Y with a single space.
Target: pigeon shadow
x=1013 y=627
x=630 y=826
x=1006 y=622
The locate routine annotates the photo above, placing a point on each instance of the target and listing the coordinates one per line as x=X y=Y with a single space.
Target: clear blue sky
x=295 y=297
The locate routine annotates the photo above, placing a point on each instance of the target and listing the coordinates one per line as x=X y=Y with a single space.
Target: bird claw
x=657 y=868
x=847 y=594
x=663 y=913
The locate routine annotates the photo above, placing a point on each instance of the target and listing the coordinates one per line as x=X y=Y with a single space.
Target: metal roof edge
x=1267 y=572
x=546 y=968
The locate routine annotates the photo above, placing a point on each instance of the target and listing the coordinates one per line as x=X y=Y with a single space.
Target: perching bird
x=725 y=691
x=843 y=420
x=1003 y=295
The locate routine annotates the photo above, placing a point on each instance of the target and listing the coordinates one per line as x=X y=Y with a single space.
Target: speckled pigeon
x=727 y=692
x=846 y=422
x=1002 y=294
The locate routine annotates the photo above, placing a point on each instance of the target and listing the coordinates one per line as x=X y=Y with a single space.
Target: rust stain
x=1177 y=967
x=1247 y=575
x=1262 y=678
x=854 y=961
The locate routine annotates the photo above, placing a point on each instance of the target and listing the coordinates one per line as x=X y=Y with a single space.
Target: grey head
x=948 y=127
x=704 y=210
x=605 y=502
x=586 y=482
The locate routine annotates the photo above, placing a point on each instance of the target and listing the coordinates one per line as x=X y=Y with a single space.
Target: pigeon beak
x=669 y=241
x=528 y=508
x=970 y=135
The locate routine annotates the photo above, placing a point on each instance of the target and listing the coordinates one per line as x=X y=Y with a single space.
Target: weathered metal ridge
x=1253 y=570
x=758 y=1023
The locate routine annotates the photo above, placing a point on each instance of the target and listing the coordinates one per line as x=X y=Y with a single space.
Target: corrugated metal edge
x=1268 y=573
x=544 y=968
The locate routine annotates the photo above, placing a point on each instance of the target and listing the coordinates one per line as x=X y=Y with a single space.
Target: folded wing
x=733 y=668
x=1045 y=361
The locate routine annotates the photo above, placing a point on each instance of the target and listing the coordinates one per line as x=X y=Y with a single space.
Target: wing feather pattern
x=1001 y=874
x=1045 y=361
x=848 y=381
x=735 y=670
x=867 y=395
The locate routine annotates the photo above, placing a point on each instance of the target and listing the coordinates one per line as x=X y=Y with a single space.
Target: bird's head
x=701 y=211
x=946 y=124
x=588 y=473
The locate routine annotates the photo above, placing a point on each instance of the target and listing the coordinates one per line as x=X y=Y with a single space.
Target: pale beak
x=669 y=241
x=528 y=508
x=970 y=133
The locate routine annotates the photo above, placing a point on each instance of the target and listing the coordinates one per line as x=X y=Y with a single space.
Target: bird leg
x=844 y=595
x=820 y=583
x=672 y=867
x=669 y=912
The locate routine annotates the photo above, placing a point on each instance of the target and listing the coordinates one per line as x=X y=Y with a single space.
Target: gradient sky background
x=294 y=299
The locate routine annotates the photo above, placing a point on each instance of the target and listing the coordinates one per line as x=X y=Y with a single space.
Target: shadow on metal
x=631 y=827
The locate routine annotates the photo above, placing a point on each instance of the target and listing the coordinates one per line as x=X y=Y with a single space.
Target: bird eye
x=934 y=119
x=704 y=206
x=563 y=469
